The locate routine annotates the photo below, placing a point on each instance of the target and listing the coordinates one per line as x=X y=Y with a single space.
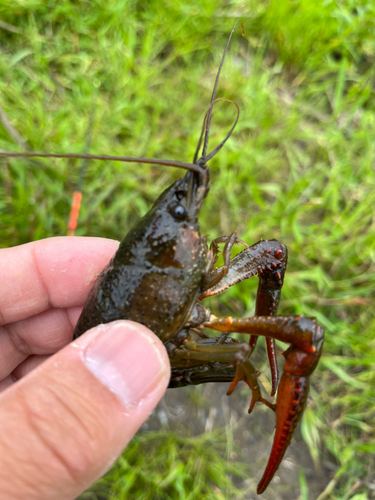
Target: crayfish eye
x=177 y=211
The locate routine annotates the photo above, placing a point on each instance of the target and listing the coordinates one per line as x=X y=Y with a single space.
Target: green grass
x=299 y=167
x=183 y=469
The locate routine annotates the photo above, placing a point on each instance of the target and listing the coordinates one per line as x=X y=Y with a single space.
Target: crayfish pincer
x=163 y=270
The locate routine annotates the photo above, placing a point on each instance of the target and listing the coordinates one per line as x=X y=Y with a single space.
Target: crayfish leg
x=215 y=275
x=246 y=372
x=268 y=260
x=235 y=354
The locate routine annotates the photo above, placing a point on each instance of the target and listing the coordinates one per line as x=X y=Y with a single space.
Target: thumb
x=64 y=424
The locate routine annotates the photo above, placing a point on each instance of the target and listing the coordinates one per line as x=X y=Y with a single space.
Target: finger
x=44 y=333
x=10 y=357
x=56 y=272
x=64 y=424
x=27 y=366
x=23 y=369
x=6 y=382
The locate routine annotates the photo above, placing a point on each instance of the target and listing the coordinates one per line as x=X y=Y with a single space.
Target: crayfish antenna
x=217 y=149
x=208 y=123
x=207 y=117
x=125 y=159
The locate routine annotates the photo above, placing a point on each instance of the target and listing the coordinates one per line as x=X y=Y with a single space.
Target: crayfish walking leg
x=235 y=353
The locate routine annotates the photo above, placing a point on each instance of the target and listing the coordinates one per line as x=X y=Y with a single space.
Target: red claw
x=290 y=403
x=291 y=397
x=306 y=339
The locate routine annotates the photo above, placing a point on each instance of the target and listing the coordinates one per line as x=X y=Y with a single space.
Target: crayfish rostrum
x=163 y=270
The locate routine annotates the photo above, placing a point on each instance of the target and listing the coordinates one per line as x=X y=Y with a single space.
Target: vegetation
x=299 y=167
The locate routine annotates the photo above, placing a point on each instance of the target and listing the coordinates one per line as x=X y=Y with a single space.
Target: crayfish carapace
x=162 y=271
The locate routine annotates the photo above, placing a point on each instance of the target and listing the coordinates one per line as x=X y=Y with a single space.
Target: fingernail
x=127 y=360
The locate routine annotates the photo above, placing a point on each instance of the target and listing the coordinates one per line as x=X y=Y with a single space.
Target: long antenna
x=125 y=159
x=217 y=149
x=208 y=123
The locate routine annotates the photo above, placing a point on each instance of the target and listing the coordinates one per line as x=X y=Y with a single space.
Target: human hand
x=64 y=424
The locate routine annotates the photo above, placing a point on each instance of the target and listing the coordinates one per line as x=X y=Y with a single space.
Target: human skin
x=67 y=410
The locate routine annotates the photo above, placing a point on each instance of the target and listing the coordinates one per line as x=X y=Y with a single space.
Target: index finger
x=56 y=272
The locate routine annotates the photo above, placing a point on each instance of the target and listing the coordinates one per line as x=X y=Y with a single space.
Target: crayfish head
x=173 y=230
x=168 y=236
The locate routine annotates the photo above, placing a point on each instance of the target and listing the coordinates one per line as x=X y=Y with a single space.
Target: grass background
x=299 y=167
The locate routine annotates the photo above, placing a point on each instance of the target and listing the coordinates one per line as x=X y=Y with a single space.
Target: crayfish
x=163 y=270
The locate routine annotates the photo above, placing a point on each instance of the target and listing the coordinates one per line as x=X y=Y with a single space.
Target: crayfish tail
x=291 y=401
